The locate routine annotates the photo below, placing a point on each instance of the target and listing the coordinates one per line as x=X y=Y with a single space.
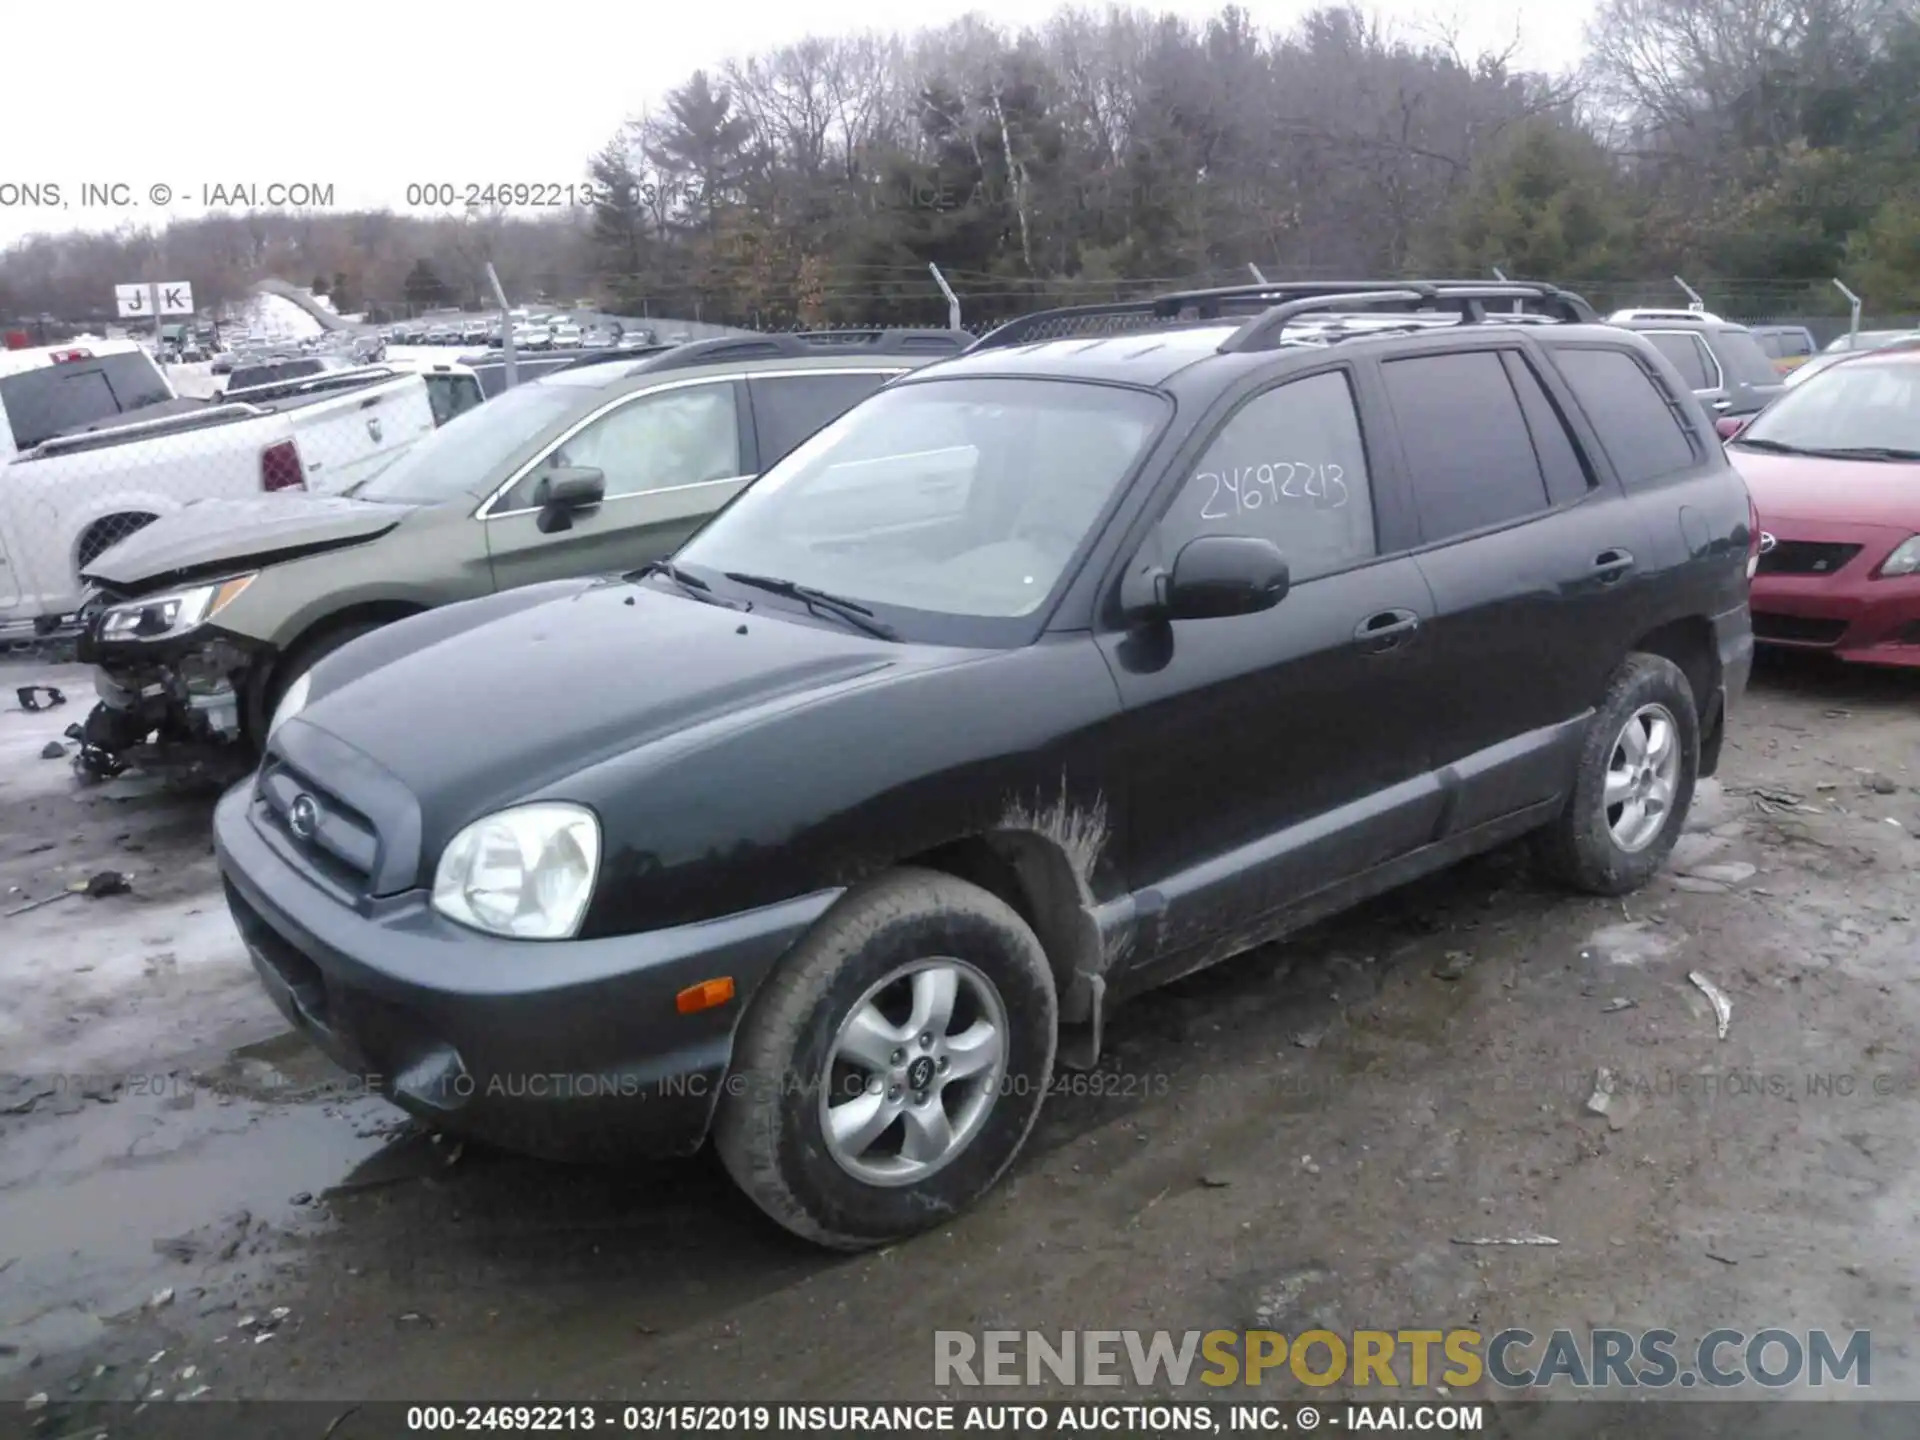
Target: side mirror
x=1215 y=576
x=564 y=490
x=1728 y=426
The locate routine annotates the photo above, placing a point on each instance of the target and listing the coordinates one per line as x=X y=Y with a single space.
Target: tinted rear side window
x=789 y=408
x=1468 y=449
x=1636 y=421
x=47 y=401
x=1688 y=352
x=1560 y=460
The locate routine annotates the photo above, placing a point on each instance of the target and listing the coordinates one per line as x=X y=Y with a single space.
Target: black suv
x=1133 y=638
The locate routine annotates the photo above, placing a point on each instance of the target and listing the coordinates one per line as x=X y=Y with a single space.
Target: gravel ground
x=1297 y=1138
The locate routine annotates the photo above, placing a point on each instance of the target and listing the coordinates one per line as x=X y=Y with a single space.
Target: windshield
x=956 y=497
x=1867 y=404
x=459 y=456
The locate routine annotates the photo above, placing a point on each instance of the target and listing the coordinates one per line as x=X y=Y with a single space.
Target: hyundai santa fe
x=1133 y=638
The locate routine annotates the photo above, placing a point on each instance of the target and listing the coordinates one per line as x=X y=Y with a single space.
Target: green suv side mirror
x=565 y=489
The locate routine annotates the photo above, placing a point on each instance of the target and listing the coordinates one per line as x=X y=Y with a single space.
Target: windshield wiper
x=819 y=601
x=1830 y=452
x=1871 y=452
x=691 y=585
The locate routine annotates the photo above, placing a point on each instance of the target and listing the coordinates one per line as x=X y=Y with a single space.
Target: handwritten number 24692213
x=1250 y=487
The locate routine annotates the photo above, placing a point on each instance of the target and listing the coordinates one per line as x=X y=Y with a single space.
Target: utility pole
x=1853 y=325
x=506 y=324
x=153 y=301
x=953 y=300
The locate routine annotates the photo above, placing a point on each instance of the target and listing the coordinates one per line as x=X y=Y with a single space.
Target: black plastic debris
x=52 y=750
x=95 y=760
x=107 y=882
x=30 y=697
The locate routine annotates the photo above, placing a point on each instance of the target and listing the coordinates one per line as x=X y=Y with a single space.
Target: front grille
x=299 y=974
x=1797 y=629
x=340 y=842
x=1806 y=557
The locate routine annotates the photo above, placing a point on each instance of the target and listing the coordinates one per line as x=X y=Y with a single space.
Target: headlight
x=1904 y=560
x=291 y=703
x=526 y=872
x=161 y=616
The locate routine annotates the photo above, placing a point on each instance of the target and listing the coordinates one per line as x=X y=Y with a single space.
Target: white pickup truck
x=94 y=445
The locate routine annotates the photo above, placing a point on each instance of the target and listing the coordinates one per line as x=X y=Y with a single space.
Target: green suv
x=198 y=623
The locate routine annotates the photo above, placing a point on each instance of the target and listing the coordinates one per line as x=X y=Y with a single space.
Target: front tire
x=890 y=1070
x=1635 y=782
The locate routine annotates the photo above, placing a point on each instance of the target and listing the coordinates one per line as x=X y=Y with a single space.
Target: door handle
x=1612 y=565
x=1723 y=403
x=1388 y=630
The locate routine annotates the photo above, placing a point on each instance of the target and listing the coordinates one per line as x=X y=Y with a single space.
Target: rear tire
x=1634 y=785
x=847 y=1153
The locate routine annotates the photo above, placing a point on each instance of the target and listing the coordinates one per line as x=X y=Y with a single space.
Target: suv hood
x=206 y=537
x=1835 y=492
x=499 y=698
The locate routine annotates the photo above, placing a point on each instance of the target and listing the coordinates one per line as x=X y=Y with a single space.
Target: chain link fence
x=99 y=441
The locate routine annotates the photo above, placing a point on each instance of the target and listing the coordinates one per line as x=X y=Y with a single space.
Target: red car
x=1834 y=469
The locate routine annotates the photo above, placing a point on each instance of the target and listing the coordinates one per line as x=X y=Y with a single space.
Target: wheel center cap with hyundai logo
x=920 y=1073
x=303 y=816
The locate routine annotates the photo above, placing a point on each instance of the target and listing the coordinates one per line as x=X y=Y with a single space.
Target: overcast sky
x=370 y=97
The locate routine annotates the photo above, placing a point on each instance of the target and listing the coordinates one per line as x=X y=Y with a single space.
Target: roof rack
x=1463 y=298
x=1664 y=312
x=789 y=345
x=607 y=354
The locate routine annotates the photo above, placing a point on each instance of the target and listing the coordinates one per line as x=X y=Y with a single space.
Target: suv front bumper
x=568 y=1050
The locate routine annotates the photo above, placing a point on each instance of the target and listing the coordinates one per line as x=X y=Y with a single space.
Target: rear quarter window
x=1743 y=358
x=1688 y=352
x=1637 y=421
